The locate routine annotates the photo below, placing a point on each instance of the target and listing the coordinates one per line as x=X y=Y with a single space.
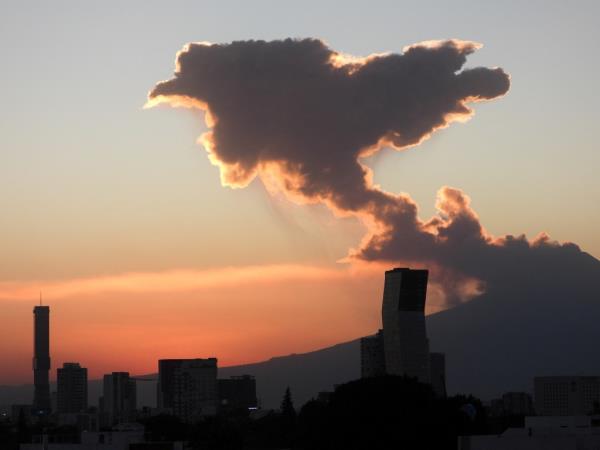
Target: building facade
x=405 y=342
x=566 y=395
x=41 y=360
x=71 y=388
x=512 y=404
x=165 y=389
x=372 y=356
x=195 y=389
x=437 y=365
x=119 y=398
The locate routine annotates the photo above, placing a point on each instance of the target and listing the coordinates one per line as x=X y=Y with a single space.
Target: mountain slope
x=542 y=320
x=306 y=374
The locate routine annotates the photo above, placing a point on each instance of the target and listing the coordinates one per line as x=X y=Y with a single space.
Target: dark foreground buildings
x=119 y=400
x=402 y=346
x=71 y=388
x=41 y=360
x=237 y=393
x=372 y=358
x=189 y=389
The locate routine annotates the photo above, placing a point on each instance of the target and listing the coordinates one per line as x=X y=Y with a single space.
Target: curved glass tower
x=406 y=346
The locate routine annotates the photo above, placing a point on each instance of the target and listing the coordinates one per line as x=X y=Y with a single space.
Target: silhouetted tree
x=287 y=405
x=288 y=418
x=312 y=428
x=468 y=415
x=383 y=413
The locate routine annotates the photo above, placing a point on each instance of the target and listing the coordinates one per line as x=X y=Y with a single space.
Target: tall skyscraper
x=120 y=398
x=41 y=360
x=402 y=347
x=405 y=342
x=72 y=389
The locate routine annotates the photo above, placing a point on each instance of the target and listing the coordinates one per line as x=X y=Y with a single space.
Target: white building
x=541 y=433
x=122 y=437
x=512 y=404
x=566 y=395
x=105 y=440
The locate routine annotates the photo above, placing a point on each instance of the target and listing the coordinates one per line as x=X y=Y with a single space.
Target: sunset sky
x=116 y=215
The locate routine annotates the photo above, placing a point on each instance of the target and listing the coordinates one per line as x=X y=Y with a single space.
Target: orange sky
x=245 y=314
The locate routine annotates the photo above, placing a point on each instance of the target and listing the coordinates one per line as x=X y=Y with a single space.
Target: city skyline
x=189 y=388
x=117 y=215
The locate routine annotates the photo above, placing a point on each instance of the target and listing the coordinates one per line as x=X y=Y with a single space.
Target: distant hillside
x=306 y=374
x=542 y=320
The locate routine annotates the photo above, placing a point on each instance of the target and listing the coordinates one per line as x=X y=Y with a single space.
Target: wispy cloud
x=167 y=281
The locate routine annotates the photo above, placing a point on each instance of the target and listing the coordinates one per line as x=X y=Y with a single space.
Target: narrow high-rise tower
x=406 y=346
x=41 y=360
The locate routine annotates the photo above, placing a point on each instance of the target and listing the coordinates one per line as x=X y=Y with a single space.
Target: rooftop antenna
x=40 y=298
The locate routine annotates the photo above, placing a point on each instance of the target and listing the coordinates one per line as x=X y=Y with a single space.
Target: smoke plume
x=301 y=116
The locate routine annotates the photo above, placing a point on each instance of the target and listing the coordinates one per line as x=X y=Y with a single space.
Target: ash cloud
x=301 y=116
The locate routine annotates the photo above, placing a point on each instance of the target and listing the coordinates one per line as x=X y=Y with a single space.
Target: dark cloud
x=300 y=116
x=458 y=249
x=297 y=107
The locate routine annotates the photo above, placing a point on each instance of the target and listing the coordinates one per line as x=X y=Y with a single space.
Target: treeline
x=374 y=413
x=368 y=414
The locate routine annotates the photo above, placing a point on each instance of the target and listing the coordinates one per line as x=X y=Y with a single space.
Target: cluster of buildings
x=541 y=433
x=552 y=396
x=187 y=388
x=563 y=414
x=190 y=390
